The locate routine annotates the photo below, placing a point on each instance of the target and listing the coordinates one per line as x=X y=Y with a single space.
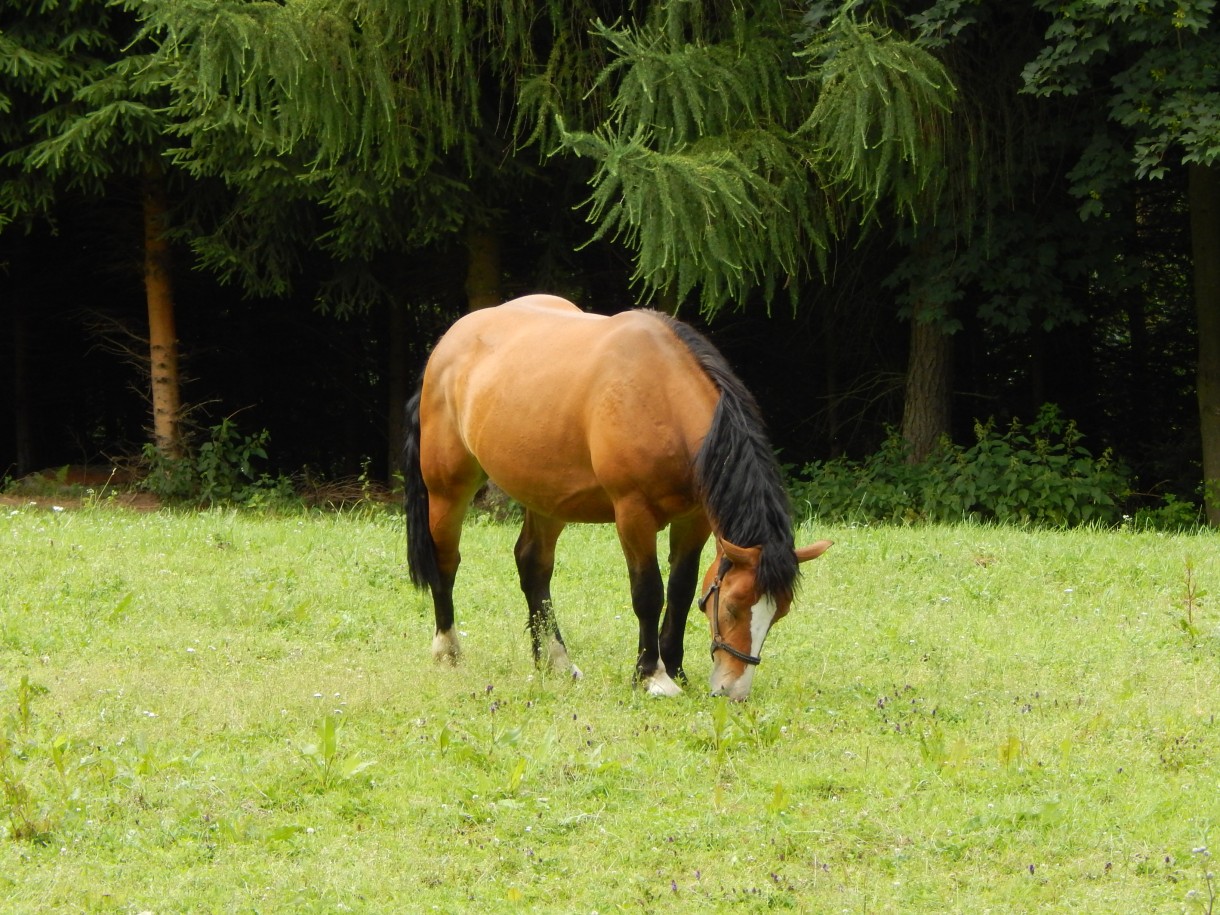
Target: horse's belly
x=589 y=506
x=549 y=482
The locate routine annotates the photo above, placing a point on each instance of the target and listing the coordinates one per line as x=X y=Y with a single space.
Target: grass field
x=226 y=712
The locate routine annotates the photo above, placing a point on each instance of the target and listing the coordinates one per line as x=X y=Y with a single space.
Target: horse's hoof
x=445 y=649
x=576 y=674
x=660 y=684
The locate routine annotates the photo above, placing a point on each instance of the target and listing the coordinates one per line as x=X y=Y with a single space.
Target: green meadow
x=238 y=712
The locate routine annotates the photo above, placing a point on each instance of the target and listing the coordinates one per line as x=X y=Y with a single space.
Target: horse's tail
x=421 y=549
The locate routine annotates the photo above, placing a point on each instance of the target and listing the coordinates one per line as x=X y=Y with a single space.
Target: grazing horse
x=634 y=420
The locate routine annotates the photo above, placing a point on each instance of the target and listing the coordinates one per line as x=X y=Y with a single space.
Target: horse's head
x=739 y=616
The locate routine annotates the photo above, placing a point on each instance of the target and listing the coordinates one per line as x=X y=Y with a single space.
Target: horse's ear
x=813 y=551
x=744 y=556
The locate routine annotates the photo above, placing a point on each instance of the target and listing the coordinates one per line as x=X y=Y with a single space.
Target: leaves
x=328 y=764
x=881 y=115
x=220 y=470
x=1156 y=66
x=726 y=214
x=731 y=159
x=1028 y=474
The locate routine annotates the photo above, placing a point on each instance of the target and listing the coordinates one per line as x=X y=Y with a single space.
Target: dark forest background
x=1029 y=226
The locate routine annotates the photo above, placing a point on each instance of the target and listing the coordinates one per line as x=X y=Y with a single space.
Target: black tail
x=421 y=550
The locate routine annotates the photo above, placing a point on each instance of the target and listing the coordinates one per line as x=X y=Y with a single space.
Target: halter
x=719 y=644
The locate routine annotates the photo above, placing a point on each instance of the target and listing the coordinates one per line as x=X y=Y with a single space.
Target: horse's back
x=503 y=329
x=566 y=410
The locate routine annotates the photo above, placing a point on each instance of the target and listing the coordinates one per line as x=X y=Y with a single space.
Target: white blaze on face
x=762 y=615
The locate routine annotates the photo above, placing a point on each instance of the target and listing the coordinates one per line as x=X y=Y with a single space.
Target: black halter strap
x=718 y=643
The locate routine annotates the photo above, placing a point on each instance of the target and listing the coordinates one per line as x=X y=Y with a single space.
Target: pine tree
x=82 y=112
x=360 y=128
x=734 y=154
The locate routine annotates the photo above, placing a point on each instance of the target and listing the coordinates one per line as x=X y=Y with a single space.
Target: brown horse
x=634 y=419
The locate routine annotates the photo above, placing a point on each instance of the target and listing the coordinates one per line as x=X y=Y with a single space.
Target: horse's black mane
x=737 y=473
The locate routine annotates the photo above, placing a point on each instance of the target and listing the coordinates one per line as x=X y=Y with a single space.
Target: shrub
x=1171 y=514
x=219 y=471
x=1030 y=474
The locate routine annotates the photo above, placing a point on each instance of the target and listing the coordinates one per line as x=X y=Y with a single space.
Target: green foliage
x=1170 y=514
x=882 y=114
x=1192 y=604
x=220 y=471
x=732 y=159
x=327 y=82
x=1158 y=65
x=737 y=725
x=726 y=214
x=33 y=771
x=87 y=99
x=49 y=53
x=327 y=763
x=356 y=129
x=1036 y=474
x=699 y=170
x=1002 y=241
x=1017 y=268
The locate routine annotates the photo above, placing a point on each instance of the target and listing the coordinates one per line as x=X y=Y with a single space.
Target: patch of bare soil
x=76 y=485
x=135 y=501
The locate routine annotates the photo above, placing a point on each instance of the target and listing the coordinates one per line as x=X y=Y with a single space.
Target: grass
x=234 y=712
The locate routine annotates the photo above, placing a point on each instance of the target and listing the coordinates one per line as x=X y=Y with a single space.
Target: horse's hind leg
x=446 y=523
x=452 y=484
x=535 y=554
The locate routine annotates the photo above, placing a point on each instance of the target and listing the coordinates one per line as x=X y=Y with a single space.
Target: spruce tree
x=82 y=112
x=740 y=145
x=361 y=128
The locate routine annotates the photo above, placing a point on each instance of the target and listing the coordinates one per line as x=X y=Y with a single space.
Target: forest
x=906 y=224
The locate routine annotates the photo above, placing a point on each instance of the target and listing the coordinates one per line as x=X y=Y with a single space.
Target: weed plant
x=225 y=711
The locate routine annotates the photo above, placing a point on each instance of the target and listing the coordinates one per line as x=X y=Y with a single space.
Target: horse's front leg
x=638 y=536
x=535 y=555
x=686 y=540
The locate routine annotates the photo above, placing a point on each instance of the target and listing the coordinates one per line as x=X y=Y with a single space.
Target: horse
x=633 y=419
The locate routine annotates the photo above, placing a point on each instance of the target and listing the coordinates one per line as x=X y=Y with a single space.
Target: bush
x=1172 y=514
x=1035 y=474
x=219 y=471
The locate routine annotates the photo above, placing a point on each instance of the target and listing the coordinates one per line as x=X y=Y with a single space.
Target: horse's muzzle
x=736 y=688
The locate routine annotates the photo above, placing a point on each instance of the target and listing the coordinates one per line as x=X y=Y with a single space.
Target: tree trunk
x=162 y=335
x=1204 y=201
x=483 y=269
x=927 y=395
